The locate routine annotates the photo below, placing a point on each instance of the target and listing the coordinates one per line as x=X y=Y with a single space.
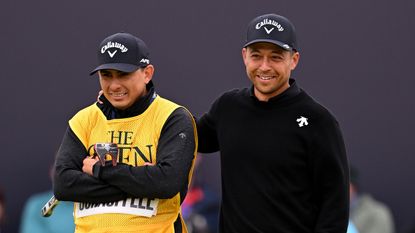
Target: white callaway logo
x=116 y=45
x=112 y=54
x=268 y=30
x=302 y=121
x=269 y=22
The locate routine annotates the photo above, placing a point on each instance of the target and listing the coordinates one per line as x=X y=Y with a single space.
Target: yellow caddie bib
x=137 y=139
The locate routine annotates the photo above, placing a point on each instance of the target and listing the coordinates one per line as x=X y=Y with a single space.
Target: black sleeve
x=70 y=183
x=170 y=174
x=331 y=176
x=207 y=130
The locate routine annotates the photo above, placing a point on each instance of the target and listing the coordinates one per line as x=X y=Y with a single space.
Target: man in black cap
x=283 y=160
x=152 y=140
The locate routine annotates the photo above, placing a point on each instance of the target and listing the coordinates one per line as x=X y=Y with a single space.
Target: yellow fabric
x=137 y=139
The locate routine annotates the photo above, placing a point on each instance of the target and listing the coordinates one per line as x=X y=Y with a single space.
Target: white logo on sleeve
x=302 y=121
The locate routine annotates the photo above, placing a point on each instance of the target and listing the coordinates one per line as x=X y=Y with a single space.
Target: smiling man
x=283 y=160
x=269 y=68
x=154 y=139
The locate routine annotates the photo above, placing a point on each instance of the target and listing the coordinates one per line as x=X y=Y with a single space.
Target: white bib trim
x=134 y=206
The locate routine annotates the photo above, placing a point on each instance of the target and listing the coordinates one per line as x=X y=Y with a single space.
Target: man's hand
x=89 y=164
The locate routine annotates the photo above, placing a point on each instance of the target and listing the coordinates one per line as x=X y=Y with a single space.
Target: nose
x=115 y=83
x=265 y=64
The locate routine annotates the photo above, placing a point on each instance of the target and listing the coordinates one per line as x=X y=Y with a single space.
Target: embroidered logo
x=116 y=45
x=182 y=135
x=269 y=22
x=112 y=54
x=145 y=61
x=268 y=31
x=302 y=121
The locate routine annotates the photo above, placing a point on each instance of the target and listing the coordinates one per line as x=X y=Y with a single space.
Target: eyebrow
x=106 y=71
x=276 y=51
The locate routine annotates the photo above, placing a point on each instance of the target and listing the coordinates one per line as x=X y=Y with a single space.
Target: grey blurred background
x=356 y=59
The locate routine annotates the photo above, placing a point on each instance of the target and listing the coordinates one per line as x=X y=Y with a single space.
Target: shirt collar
x=136 y=109
x=291 y=91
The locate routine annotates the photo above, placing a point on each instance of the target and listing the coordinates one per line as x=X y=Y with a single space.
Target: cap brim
x=128 y=68
x=279 y=43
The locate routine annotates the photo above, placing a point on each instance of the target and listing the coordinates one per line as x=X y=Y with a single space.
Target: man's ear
x=244 y=54
x=295 y=59
x=148 y=72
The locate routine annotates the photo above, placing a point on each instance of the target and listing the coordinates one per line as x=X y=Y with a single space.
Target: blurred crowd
x=201 y=208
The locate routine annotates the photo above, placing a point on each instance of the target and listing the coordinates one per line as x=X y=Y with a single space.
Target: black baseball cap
x=272 y=28
x=122 y=51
